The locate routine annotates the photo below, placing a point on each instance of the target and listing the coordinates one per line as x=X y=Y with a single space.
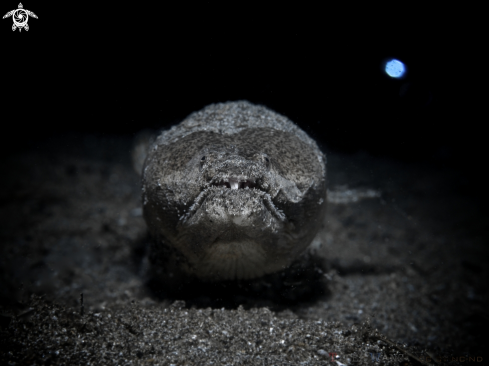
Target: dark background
x=114 y=69
x=118 y=68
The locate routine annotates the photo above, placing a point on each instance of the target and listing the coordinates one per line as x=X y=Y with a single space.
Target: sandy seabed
x=399 y=279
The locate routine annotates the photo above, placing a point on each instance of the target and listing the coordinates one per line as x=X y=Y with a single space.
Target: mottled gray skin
x=235 y=191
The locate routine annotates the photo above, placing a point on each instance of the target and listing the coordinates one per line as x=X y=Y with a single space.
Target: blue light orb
x=395 y=68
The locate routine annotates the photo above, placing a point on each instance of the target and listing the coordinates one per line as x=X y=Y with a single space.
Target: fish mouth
x=234 y=185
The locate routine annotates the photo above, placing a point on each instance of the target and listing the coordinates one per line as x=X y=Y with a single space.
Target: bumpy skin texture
x=235 y=191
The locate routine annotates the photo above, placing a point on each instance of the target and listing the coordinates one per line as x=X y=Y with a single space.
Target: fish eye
x=203 y=158
x=267 y=160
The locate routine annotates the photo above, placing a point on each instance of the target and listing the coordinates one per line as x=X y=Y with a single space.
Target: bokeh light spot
x=395 y=68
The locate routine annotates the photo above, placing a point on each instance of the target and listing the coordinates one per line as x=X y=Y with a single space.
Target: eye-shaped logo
x=20 y=17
